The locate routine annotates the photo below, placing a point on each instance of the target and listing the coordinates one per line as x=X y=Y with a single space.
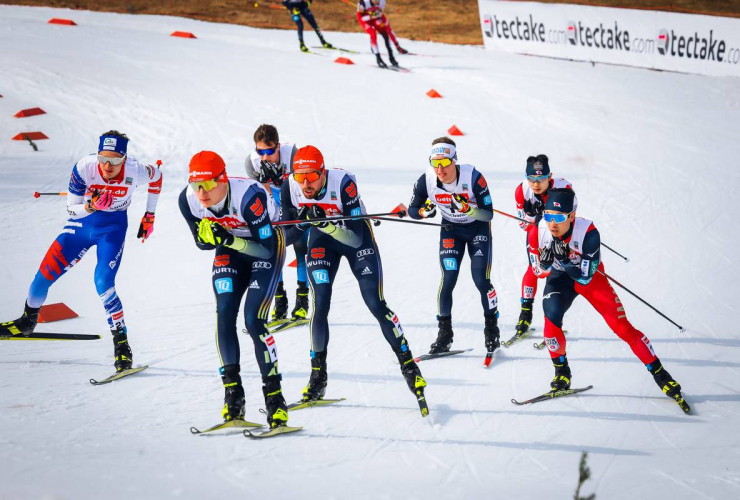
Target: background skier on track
x=315 y=192
x=565 y=249
x=461 y=193
x=372 y=19
x=300 y=8
x=100 y=191
x=270 y=163
x=233 y=217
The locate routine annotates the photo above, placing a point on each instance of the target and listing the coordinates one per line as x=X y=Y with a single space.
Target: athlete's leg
x=110 y=252
x=450 y=256
x=557 y=298
x=370 y=30
x=230 y=277
x=322 y=262
x=479 y=251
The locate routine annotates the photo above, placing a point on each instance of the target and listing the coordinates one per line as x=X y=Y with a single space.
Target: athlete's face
x=109 y=170
x=448 y=174
x=539 y=183
x=214 y=196
x=311 y=188
x=558 y=229
x=263 y=147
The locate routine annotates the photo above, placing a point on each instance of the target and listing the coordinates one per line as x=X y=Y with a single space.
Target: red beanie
x=207 y=165
x=308 y=158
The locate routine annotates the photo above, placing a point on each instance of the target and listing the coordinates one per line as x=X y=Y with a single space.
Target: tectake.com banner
x=662 y=40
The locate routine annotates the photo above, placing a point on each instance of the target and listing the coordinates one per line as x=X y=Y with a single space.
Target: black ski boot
x=561 y=381
x=316 y=387
x=280 y=311
x=234 y=393
x=300 y=311
x=23 y=325
x=413 y=377
x=667 y=384
x=392 y=59
x=525 y=317
x=380 y=61
x=303 y=47
x=121 y=350
x=491 y=332
x=444 y=336
x=275 y=407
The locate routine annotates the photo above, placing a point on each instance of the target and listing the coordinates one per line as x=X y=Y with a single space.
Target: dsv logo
x=261 y=264
x=364 y=252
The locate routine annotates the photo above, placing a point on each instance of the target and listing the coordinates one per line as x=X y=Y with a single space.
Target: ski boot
x=444 y=337
x=316 y=387
x=234 y=393
x=326 y=44
x=401 y=50
x=121 y=350
x=667 y=384
x=280 y=311
x=300 y=311
x=275 y=407
x=525 y=317
x=491 y=332
x=380 y=61
x=392 y=59
x=23 y=325
x=413 y=377
x=561 y=381
x=303 y=47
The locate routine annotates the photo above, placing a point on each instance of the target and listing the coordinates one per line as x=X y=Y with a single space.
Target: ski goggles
x=312 y=176
x=207 y=184
x=440 y=162
x=556 y=218
x=113 y=161
x=537 y=178
x=268 y=151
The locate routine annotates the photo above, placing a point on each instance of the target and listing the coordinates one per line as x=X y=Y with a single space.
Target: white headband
x=443 y=149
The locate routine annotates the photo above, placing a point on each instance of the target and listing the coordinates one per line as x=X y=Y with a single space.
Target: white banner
x=662 y=40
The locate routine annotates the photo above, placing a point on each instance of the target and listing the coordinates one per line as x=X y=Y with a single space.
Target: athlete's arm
x=351 y=233
x=155 y=185
x=418 y=198
x=288 y=211
x=524 y=208
x=590 y=258
x=484 y=211
x=76 y=195
x=253 y=208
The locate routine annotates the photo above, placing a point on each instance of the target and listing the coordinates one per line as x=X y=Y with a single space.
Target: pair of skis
x=280 y=325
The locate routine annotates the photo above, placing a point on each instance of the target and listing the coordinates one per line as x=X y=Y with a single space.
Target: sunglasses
x=440 y=162
x=537 y=178
x=312 y=176
x=268 y=151
x=113 y=161
x=207 y=184
x=556 y=218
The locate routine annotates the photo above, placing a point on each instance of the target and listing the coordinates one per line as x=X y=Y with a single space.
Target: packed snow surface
x=652 y=157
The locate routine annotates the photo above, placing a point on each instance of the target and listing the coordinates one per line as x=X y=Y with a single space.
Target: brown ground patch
x=448 y=21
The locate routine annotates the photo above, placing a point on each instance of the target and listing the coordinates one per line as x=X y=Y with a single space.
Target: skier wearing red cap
x=233 y=217
x=317 y=192
x=566 y=250
x=373 y=20
x=531 y=196
x=100 y=191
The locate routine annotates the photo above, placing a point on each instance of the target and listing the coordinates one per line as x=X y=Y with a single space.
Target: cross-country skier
x=300 y=8
x=270 y=163
x=531 y=196
x=315 y=192
x=232 y=217
x=372 y=19
x=565 y=249
x=461 y=194
x=100 y=191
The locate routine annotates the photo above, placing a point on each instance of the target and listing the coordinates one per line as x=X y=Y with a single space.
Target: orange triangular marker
x=343 y=60
x=29 y=112
x=182 y=34
x=400 y=208
x=34 y=136
x=55 y=312
x=66 y=22
x=453 y=130
x=434 y=94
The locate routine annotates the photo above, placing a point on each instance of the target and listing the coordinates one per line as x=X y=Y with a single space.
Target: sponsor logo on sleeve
x=257 y=207
x=487 y=199
x=265 y=232
x=224 y=285
x=450 y=264
x=482 y=182
x=351 y=189
x=356 y=211
x=320 y=276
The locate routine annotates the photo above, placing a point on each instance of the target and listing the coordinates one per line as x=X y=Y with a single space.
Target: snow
x=652 y=156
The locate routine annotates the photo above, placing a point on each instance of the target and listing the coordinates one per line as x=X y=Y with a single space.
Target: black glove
x=532 y=208
x=546 y=258
x=560 y=251
x=316 y=212
x=270 y=172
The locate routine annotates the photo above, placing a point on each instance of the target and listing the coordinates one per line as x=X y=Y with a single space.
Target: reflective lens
x=113 y=161
x=206 y=185
x=538 y=178
x=312 y=176
x=440 y=162
x=268 y=151
x=556 y=218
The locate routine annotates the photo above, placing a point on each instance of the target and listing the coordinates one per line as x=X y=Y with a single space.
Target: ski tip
x=417 y=359
x=193 y=430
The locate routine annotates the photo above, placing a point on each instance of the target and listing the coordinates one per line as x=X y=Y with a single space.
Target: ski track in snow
x=649 y=154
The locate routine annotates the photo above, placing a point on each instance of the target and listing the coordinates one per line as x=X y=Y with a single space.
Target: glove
x=270 y=172
x=302 y=215
x=560 y=251
x=546 y=258
x=532 y=208
x=100 y=200
x=213 y=233
x=146 y=228
x=428 y=211
x=316 y=212
x=460 y=204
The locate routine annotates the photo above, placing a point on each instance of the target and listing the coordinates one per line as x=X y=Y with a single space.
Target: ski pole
x=402 y=213
x=531 y=224
x=446 y=226
x=37 y=194
x=682 y=329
